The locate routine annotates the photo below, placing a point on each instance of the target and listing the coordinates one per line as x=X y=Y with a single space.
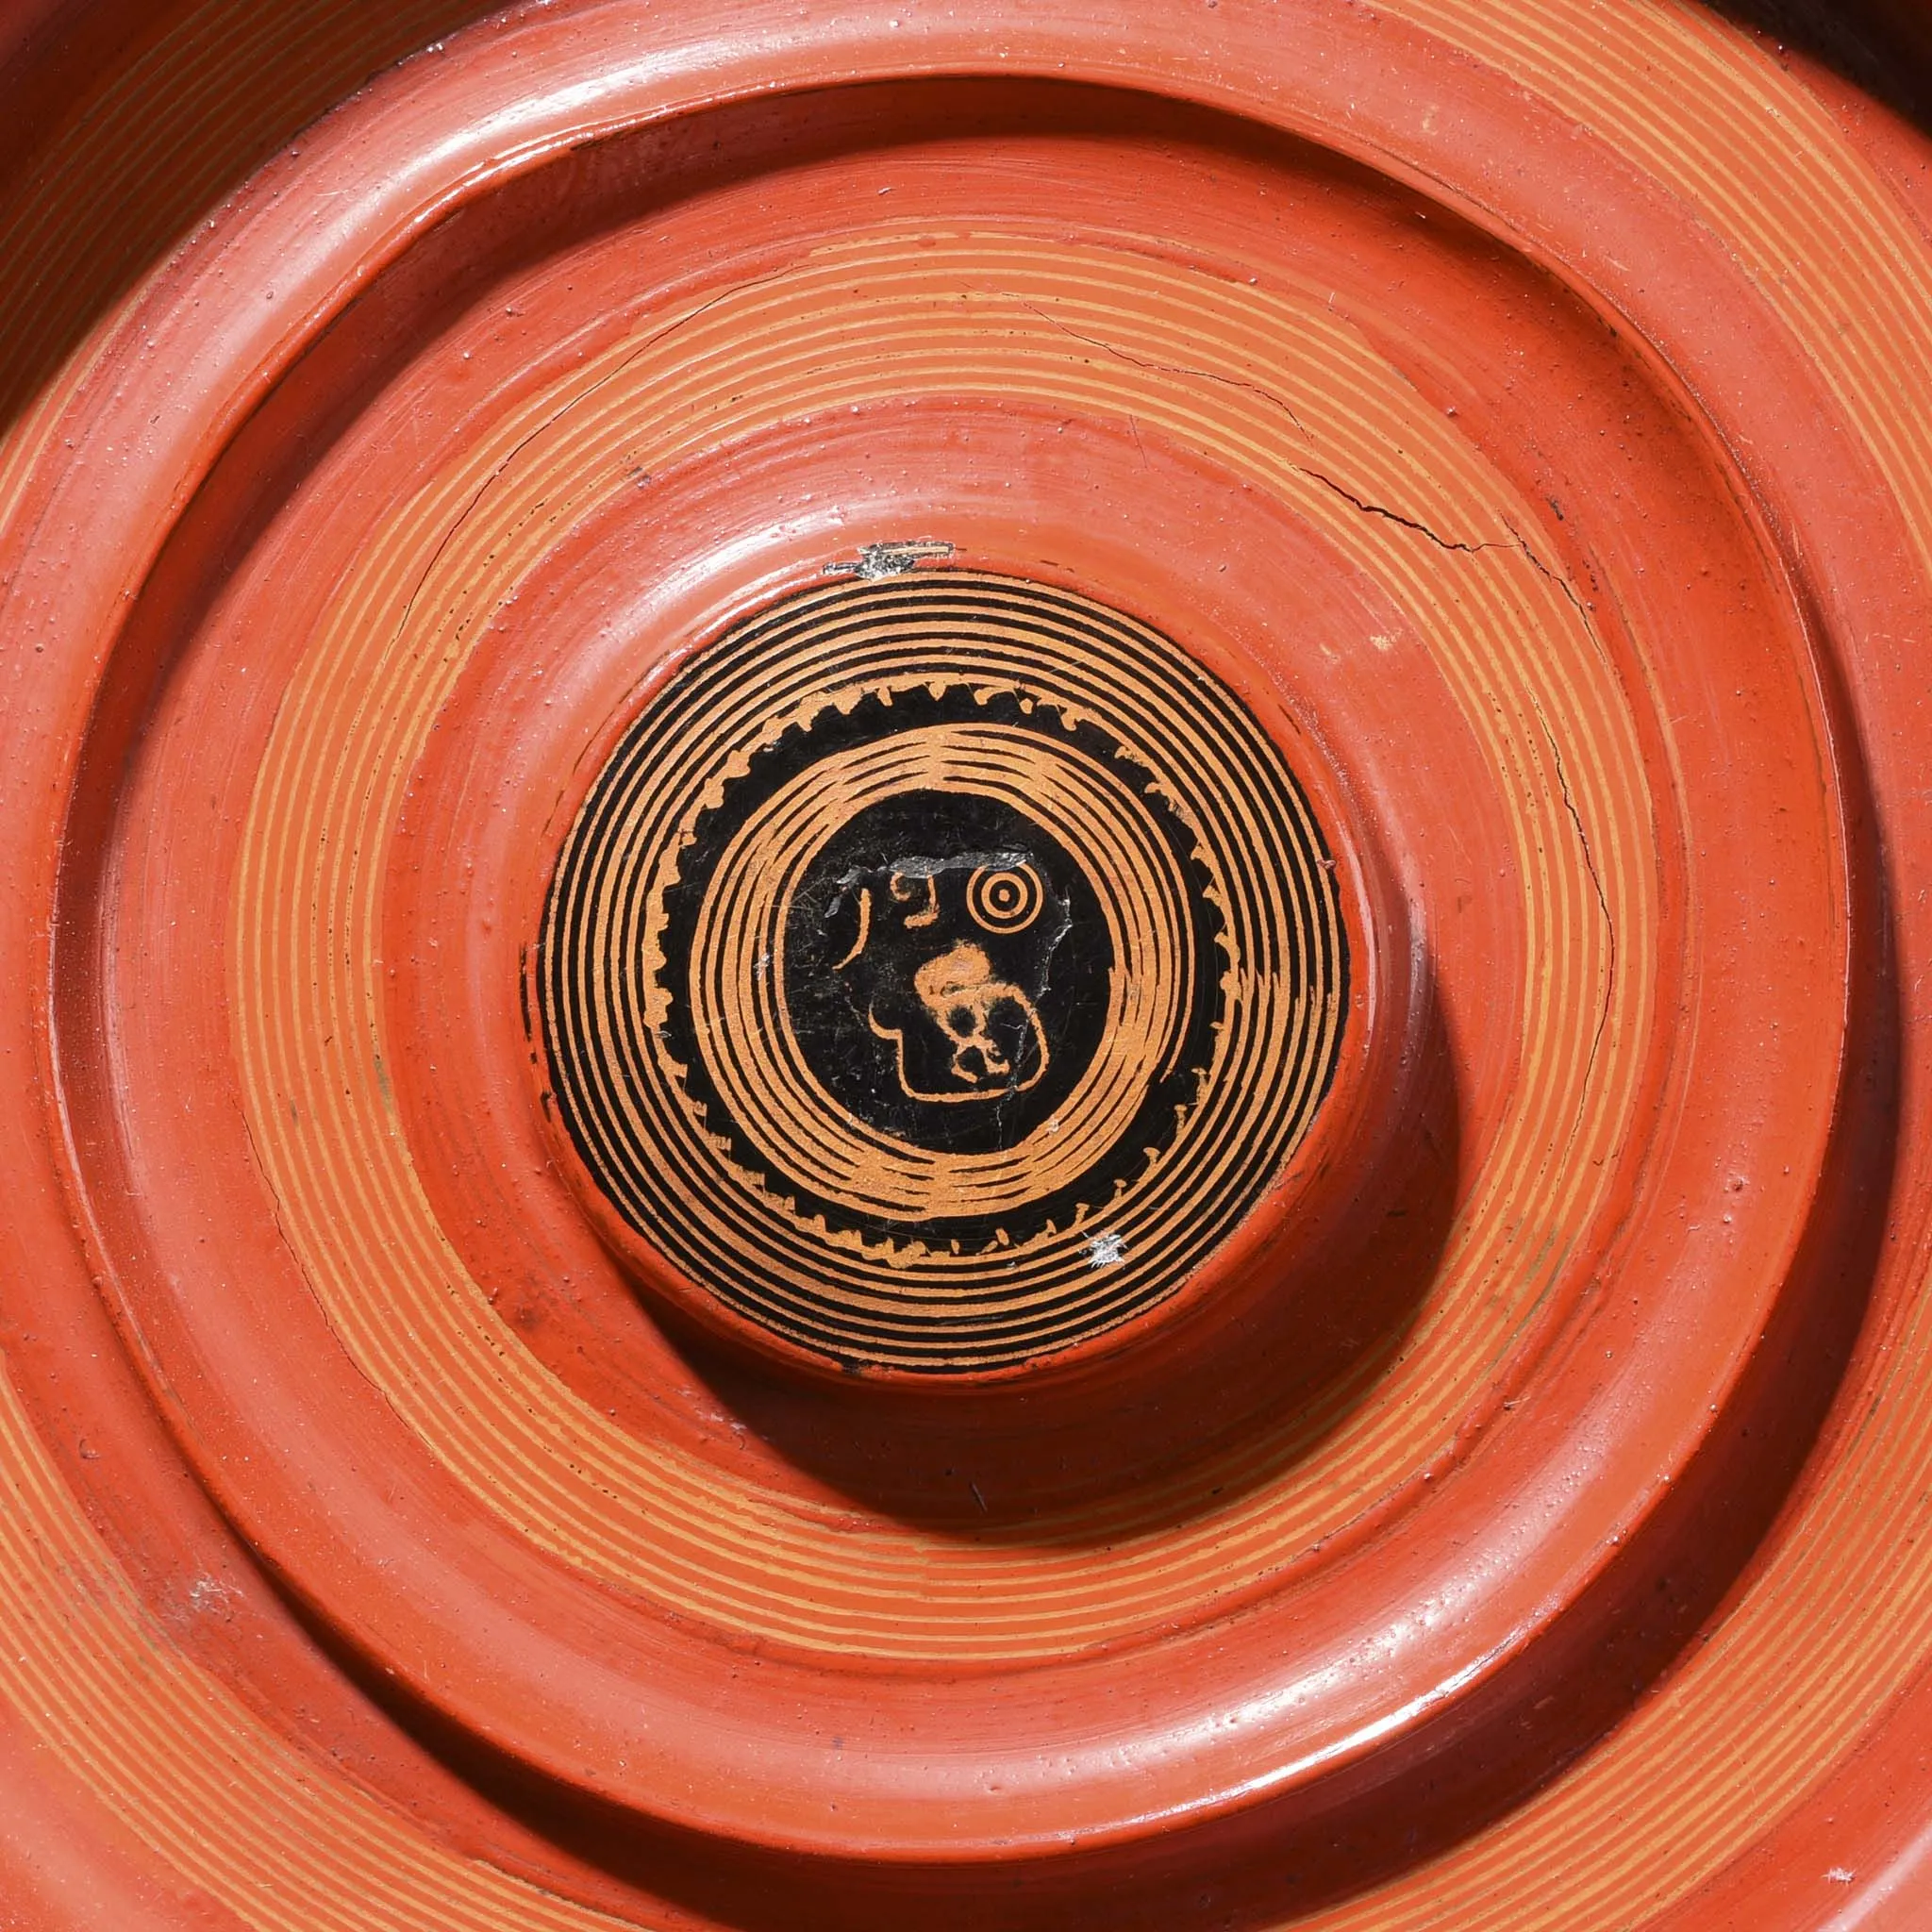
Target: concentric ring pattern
x=964 y=964
x=1114 y=1068
x=310 y=995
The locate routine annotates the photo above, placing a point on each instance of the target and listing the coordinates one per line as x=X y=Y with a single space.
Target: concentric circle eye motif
x=964 y=1016
x=1005 y=898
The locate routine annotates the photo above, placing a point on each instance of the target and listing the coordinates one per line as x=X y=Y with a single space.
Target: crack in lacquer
x=1514 y=541
x=556 y=416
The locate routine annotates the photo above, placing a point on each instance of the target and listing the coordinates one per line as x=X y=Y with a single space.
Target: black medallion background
x=855 y=1064
x=1236 y=1018
x=898 y=876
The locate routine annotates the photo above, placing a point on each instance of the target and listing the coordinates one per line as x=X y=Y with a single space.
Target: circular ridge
x=300 y=1122
x=1578 y=784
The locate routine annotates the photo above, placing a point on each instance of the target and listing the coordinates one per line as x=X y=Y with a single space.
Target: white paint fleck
x=1106 y=1251
x=209 y=1596
x=1839 y=1876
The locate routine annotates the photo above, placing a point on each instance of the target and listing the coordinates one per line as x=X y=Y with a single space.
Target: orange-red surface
x=1525 y=414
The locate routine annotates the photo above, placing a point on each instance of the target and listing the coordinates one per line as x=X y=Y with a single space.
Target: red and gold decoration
x=939 y=973
x=964 y=968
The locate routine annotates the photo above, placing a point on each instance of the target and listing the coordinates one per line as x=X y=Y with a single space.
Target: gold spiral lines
x=1826 y=246
x=1512 y=645
x=938 y=757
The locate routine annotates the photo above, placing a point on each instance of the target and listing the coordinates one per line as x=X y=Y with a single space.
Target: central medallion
x=938 y=972
x=920 y=950
x=911 y=1009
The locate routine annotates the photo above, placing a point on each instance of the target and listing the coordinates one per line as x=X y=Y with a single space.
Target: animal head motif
x=949 y=963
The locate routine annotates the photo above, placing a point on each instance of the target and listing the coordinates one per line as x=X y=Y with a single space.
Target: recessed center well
x=939 y=968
